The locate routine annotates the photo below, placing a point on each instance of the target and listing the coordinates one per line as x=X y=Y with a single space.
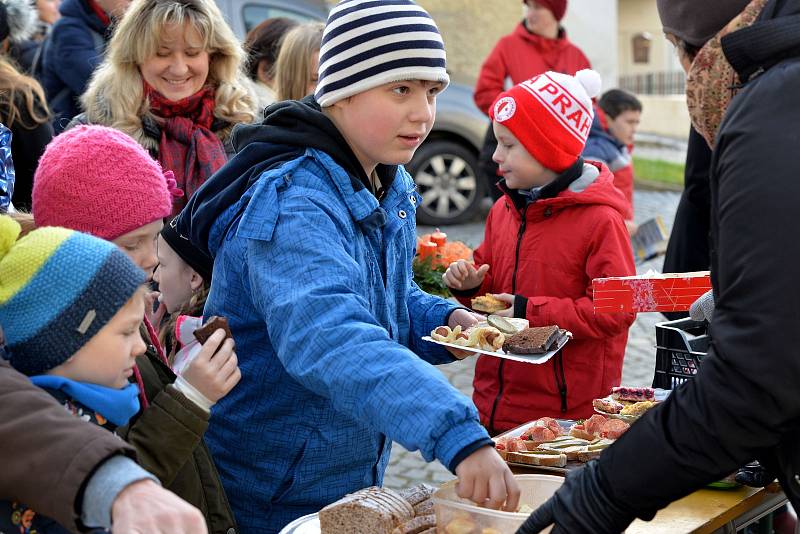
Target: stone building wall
x=471 y=28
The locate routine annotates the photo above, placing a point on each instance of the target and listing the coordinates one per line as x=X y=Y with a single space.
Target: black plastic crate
x=680 y=347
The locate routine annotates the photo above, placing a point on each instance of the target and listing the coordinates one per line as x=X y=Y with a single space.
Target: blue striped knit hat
x=368 y=43
x=58 y=288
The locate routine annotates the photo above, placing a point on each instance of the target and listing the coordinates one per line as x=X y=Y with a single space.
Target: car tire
x=446 y=174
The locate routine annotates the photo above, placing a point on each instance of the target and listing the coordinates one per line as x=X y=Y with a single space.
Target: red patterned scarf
x=187 y=146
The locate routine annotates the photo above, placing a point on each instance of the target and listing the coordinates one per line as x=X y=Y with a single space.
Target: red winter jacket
x=566 y=242
x=521 y=55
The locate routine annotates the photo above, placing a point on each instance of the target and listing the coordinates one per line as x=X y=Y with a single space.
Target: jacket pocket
x=287 y=485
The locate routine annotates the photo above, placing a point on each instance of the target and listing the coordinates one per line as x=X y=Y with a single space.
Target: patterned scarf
x=187 y=146
x=711 y=82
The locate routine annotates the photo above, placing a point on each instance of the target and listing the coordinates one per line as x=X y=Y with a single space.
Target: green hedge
x=654 y=170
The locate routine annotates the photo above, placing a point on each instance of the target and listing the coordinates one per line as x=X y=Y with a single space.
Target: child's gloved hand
x=463 y=275
x=703 y=308
x=214 y=375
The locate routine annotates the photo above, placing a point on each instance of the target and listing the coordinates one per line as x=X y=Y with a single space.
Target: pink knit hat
x=99 y=181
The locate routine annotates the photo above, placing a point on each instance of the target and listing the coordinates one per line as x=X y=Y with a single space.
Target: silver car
x=445 y=167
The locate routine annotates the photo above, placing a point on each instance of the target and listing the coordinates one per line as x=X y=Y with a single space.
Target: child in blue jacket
x=312 y=227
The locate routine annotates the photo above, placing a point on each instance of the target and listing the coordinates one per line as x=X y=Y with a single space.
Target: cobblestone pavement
x=409 y=468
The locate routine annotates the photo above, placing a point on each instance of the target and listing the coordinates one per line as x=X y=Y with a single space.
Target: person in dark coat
x=744 y=403
x=688 y=248
x=72 y=51
x=16 y=30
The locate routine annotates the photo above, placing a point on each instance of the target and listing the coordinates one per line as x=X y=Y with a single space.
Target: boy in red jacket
x=558 y=226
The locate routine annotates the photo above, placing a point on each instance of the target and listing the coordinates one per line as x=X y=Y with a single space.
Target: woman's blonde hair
x=18 y=90
x=293 y=67
x=115 y=96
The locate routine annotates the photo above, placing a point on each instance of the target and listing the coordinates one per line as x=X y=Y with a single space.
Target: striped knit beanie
x=58 y=288
x=368 y=43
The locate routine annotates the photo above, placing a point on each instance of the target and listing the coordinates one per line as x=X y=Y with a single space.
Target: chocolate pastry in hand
x=213 y=324
x=536 y=340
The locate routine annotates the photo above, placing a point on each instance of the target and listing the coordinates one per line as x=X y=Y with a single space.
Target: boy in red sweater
x=558 y=226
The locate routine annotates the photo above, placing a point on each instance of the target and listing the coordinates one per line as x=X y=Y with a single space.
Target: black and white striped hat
x=368 y=43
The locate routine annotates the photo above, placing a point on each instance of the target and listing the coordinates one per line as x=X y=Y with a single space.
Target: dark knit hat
x=367 y=43
x=193 y=256
x=58 y=288
x=558 y=7
x=696 y=21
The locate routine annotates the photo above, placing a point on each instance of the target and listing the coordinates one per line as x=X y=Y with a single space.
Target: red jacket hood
x=600 y=191
x=550 y=48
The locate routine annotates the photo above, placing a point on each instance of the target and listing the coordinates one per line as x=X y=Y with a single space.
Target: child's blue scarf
x=116 y=405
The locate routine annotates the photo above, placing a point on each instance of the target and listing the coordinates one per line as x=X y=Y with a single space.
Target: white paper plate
x=525 y=358
x=308 y=524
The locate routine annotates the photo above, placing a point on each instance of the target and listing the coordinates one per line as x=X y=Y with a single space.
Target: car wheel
x=446 y=174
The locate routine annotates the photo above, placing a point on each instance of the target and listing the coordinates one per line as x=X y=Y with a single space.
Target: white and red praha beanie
x=551 y=115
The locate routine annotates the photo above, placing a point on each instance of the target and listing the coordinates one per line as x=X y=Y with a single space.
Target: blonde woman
x=173 y=80
x=298 y=62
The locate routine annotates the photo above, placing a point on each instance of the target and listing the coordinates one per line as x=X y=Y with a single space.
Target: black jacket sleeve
x=745 y=397
x=28 y=141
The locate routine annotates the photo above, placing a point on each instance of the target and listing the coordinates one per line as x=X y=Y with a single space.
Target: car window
x=254 y=14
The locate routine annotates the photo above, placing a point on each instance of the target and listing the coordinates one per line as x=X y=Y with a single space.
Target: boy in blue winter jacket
x=312 y=227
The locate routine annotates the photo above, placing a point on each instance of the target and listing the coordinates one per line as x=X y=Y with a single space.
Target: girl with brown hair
x=23 y=109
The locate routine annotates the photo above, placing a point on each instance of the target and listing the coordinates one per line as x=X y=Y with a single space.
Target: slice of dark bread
x=371 y=510
x=416 y=525
x=417 y=494
x=536 y=340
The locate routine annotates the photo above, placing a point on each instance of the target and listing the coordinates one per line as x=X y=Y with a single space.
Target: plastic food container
x=455 y=515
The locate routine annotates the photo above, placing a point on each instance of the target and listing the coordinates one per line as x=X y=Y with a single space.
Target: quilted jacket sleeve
x=336 y=347
x=169 y=430
x=609 y=254
x=166 y=434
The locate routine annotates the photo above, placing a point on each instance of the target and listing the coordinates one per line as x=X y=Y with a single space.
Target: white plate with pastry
x=489 y=340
